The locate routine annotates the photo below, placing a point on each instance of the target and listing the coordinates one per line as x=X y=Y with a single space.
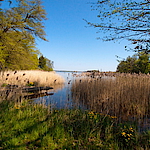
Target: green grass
x=27 y=126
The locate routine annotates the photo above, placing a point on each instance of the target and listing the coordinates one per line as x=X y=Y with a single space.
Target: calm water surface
x=62 y=97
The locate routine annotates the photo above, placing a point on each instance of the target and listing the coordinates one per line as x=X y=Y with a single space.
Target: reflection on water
x=62 y=93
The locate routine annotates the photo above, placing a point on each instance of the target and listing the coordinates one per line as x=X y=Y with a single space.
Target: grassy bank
x=31 y=126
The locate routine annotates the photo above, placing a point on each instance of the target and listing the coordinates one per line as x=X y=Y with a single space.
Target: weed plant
x=28 y=126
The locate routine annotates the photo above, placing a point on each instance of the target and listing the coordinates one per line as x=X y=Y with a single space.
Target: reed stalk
x=125 y=96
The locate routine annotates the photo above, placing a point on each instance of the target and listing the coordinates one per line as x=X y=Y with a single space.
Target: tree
x=20 y=55
x=18 y=52
x=19 y=25
x=143 y=63
x=42 y=62
x=26 y=17
x=138 y=63
x=126 y=19
x=128 y=65
x=49 y=64
x=45 y=63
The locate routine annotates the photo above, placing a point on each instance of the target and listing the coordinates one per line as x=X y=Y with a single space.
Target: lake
x=62 y=97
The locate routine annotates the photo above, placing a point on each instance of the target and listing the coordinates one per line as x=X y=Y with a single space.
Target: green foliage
x=4 y=85
x=42 y=62
x=45 y=64
x=20 y=52
x=127 y=19
x=139 y=63
x=24 y=16
x=49 y=64
x=127 y=136
x=143 y=63
x=26 y=126
x=20 y=24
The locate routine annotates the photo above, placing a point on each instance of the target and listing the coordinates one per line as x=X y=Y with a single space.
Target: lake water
x=61 y=97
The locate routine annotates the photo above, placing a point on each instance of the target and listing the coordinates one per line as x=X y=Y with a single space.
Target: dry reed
x=126 y=96
x=12 y=83
x=39 y=78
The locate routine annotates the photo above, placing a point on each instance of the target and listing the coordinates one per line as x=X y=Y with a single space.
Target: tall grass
x=126 y=97
x=26 y=126
x=21 y=78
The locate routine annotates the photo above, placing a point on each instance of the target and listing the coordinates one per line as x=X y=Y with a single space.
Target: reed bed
x=12 y=83
x=127 y=97
x=24 y=77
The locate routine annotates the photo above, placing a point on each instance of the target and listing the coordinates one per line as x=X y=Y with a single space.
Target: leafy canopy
x=24 y=16
x=45 y=63
x=138 y=63
x=20 y=23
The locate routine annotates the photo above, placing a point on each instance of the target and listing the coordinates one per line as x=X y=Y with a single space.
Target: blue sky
x=71 y=45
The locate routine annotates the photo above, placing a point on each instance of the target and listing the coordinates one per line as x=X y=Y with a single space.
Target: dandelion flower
x=131 y=129
x=31 y=83
x=123 y=134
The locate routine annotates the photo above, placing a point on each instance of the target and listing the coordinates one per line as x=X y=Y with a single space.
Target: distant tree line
x=138 y=63
x=21 y=21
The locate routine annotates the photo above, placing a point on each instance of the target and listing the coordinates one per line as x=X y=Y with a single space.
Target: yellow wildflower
x=131 y=129
x=17 y=107
x=128 y=135
x=31 y=83
x=91 y=113
x=113 y=117
x=123 y=134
